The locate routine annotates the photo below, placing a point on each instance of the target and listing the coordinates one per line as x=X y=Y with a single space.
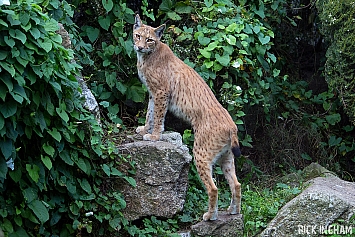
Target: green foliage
x=51 y=180
x=231 y=45
x=112 y=75
x=261 y=206
x=54 y=164
x=337 y=20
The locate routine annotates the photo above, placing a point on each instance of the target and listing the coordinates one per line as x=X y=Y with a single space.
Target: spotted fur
x=175 y=86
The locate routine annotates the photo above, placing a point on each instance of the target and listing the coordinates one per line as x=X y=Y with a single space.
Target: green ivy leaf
x=92 y=33
x=3 y=168
x=66 y=157
x=211 y=46
x=82 y=165
x=174 y=16
x=45 y=44
x=106 y=169
x=131 y=181
x=166 y=5
x=15 y=175
x=8 y=108
x=33 y=172
x=261 y=11
x=39 y=210
x=121 y=87
x=333 y=118
x=55 y=134
x=231 y=40
x=256 y=29
x=108 y=5
x=105 y=22
x=8 y=67
x=203 y=40
x=7 y=226
x=63 y=114
x=113 y=109
x=7 y=147
x=30 y=194
x=205 y=53
x=232 y=27
x=24 y=18
x=9 y=41
x=2 y=122
x=48 y=149
x=115 y=223
x=208 y=64
x=2 y=22
x=223 y=60
x=3 y=54
x=182 y=8
x=51 y=25
x=264 y=39
x=35 y=33
x=136 y=93
x=47 y=162
x=84 y=184
x=208 y=3
x=17 y=34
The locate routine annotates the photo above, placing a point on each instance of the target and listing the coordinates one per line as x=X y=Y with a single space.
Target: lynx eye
x=149 y=40
x=138 y=36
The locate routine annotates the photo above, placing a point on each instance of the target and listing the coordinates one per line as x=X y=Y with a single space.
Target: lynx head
x=146 y=38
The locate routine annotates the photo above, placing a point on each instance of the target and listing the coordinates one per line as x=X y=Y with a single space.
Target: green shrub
x=51 y=177
x=337 y=24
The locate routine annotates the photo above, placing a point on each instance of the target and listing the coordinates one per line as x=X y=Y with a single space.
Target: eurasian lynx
x=175 y=86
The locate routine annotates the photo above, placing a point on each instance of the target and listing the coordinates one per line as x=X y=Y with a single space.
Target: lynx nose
x=140 y=48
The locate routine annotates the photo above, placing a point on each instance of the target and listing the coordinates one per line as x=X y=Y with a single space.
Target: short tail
x=235 y=143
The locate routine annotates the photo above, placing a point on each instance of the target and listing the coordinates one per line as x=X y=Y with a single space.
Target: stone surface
x=326 y=200
x=311 y=171
x=226 y=226
x=161 y=177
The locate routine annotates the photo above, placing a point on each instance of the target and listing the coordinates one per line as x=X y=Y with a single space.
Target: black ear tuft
x=137 y=22
x=159 y=31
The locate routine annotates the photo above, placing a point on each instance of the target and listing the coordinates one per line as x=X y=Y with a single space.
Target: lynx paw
x=150 y=137
x=141 y=130
x=233 y=210
x=210 y=216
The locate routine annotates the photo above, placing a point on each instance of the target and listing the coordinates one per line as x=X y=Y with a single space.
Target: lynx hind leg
x=228 y=168
x=204 y=169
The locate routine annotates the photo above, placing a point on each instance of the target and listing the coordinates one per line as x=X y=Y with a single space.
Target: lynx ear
x=137 y=22
x=159 y=31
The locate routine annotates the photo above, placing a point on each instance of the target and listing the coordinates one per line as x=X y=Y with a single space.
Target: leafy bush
x=51 y=177
x=337 y=20
x=261 y=205
x=230 y=47
x=52 y=181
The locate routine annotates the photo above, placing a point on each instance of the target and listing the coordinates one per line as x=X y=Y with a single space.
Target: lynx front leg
x=160 y=100
x=204 y=169
x=228 y=168
x=149 y=119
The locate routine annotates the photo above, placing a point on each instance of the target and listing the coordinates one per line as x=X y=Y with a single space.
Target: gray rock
x=226 y=226
x=310 y=172
x=313 y=211
x=315 y=170
x=161 y=176
x=90 y=100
